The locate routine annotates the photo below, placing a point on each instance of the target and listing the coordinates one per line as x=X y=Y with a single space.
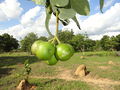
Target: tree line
x=8 y=43
x=79 y=42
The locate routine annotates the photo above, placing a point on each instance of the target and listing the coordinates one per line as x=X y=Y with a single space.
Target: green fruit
x=52 y=61
x=35 y=46
x=64 y=52
x=45 y=50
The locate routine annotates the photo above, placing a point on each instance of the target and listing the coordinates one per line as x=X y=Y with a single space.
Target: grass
x=12 y=66
x=58 y=84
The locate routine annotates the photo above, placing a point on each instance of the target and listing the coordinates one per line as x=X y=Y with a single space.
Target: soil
x=102 y=83
x=24 y=85
x=104 y=67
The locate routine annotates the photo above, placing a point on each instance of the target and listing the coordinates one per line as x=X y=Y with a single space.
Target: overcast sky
x=20 y=17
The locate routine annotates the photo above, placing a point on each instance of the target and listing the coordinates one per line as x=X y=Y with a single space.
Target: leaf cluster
x=27 y=67
x=67 y=9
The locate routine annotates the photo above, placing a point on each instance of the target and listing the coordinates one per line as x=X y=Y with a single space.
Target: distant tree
x=106 y=43
x=117 y=47
x=113 y=43
x=8 y=43
x=97 y=46
x=65 y=36
x=89 y=45
x=43 y=38
x=27 y=41
x=78 y=42
x=1 y=44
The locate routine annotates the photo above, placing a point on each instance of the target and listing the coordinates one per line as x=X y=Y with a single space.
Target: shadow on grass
x=50 y=81
x=44 y=83
x=5 y=71
x=11 y=60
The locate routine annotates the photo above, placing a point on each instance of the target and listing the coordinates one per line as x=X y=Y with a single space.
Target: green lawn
x=12 y=68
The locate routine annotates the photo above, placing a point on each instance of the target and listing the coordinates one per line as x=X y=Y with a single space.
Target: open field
x=102 y=76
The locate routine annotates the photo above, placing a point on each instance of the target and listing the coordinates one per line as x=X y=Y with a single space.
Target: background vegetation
x=8 y=43
x=79 y=42
x=97 y=54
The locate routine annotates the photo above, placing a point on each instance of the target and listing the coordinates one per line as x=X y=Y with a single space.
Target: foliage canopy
x=66 y=9
x=8 y=43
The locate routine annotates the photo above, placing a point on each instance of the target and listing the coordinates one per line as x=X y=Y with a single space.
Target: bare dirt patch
x=67 y=74
x=111 y=62
x=24 y=85
x=104 y=67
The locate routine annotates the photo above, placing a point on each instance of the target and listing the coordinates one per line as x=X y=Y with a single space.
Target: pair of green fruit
x=50 y=53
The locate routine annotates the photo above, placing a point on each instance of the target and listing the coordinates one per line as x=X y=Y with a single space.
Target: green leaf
x=101 y=5
x=54 y=8
x=64 y=22
x=59 y=3
x=80 y=6
x=66 y=13
x=76 y=21
x=39 y=2
x=47 y=3
x=48 y=16
x=26 y=62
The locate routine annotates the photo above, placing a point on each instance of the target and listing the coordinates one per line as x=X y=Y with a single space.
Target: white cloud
x=30 y=15
x=95 y=25
x=98 y=37
x=15 y=30
x=108 y=3
x=99 y=24
x=9 y=9
x=2 y=16
x=38 y=27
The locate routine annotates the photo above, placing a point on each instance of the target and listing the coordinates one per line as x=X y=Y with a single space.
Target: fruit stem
x=57 y=23
x=53 y=41
x=57 y=26
x=50 y=40
x=57 y=40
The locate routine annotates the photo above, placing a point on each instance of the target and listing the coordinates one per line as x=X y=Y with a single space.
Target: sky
x=20 y=17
